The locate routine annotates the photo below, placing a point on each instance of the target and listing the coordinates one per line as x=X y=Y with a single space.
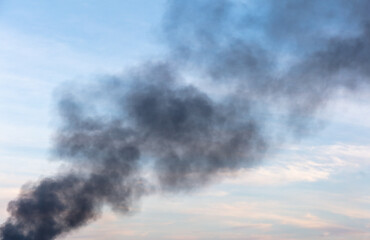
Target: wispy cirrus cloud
x=306 y=164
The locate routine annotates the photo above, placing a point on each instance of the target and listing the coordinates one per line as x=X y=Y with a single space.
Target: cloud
x=270 y=216
x=282 y=174
x=305 y=164
x=241 y=225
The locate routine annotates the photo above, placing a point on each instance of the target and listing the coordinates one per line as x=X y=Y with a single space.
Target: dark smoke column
x=114 y=130
x=62 y=203
x=188 y=137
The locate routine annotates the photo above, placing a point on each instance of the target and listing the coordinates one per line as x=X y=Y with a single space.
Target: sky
x=315 y=187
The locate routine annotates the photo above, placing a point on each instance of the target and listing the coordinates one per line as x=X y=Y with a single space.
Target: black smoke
x=187 y=135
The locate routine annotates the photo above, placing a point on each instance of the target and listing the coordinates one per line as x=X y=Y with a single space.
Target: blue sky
x=316 y=188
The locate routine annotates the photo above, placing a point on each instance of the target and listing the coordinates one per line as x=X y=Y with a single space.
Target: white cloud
x=305 y=164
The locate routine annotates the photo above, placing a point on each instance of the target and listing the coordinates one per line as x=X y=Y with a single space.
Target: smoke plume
x=280 y=62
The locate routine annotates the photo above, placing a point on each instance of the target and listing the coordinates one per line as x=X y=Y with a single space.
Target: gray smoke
x=153 y=118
